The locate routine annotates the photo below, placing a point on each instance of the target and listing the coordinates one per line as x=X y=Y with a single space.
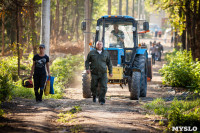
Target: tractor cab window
x=117 y=35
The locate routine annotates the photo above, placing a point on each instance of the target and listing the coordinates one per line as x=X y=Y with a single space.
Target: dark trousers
x=39 y=82
x=153 y=58
x=102 y=80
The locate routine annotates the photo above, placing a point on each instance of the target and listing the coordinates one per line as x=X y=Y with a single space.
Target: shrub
x=63 y=70
x=158 y=106
x=1 y=110
x=5 y=88
x=181 y=70
x=179 y=113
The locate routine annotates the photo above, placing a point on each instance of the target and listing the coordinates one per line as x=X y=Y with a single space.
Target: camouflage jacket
x=97 y=63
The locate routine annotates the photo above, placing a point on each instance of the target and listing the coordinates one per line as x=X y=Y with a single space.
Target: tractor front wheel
x=135 y=85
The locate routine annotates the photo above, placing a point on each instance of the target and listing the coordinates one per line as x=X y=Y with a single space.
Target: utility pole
x=87 y=31
x=133 y=8
x=126 y=7
x=109 y=7
x=120 y=7
x=45 y=25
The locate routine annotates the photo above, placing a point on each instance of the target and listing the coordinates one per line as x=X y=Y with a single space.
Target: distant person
x=97 y=62
x=39 y=67
x=156 y=33
x=118 y=34
x=143 y=45
x=156 y=52
x=152 y=51
x=159 y=34
x=160 y=50
x=165 y=37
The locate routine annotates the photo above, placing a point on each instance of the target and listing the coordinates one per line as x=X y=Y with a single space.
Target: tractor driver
x=96 y=64
x=118 y=34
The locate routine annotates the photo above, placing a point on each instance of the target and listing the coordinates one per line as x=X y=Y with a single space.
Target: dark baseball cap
x=42 y=46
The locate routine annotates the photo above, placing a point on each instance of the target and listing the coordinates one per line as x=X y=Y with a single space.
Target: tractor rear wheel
x=135 y=85
x=86 y=84
x=141 y=63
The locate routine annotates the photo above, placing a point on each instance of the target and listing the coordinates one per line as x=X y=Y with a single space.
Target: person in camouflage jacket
x=96 y=64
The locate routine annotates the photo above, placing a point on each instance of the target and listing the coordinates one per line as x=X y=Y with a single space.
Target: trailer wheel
x=86 y=85
x=135 y=85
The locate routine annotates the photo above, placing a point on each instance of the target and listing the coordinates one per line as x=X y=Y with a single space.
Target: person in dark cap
x=39 y=68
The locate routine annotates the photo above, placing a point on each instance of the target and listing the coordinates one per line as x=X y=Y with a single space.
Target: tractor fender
x=141 y=51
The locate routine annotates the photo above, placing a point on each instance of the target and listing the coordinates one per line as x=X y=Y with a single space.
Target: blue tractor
x=130 y=62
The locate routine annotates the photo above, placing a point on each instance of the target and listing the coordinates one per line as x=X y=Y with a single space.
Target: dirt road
x=118 y=115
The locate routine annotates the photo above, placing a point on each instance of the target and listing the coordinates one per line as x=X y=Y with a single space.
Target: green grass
x=178 y=113
x=158 y=106
x=69 y=116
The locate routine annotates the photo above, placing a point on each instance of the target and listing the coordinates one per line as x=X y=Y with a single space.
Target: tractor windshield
x=117 y=35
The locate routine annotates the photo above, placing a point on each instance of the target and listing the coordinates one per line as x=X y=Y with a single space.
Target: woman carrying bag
x=39 y=67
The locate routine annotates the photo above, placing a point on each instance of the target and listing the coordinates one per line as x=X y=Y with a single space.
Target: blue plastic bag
x=51 y=85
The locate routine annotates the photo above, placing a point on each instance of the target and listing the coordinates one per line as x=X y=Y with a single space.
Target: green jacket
x=97 y=62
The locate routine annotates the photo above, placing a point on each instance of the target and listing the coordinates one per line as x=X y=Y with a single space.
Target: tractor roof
x=118 y=16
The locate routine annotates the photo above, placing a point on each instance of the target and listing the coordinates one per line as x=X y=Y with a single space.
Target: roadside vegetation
x=11 y=85
x=180 y=71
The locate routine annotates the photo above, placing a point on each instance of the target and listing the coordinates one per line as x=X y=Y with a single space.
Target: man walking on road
x=96 y=63
x=152 y=51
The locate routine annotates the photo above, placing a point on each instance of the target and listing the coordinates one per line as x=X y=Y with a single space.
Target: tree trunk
x=17 y=28
x=77 y=20
x=86 y=34
x=45 y=27
x=57 y=22
x=126 y=7
x=120 y=7
x=188 y=23
x=197 y=43
x=133 y=8
x=197 y=50
x=20 y=23
x=62 y=32
x=109 y=7
x=183 y=40
x=3 y=29
x=33 y=34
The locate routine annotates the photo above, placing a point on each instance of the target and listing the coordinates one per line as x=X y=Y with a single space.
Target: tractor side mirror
x=83 y=26
x=146 y=26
